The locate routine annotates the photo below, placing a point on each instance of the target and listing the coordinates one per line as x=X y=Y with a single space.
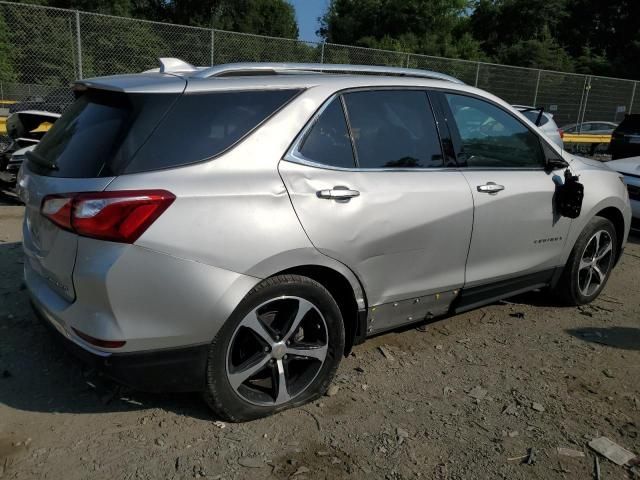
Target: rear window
x=109 y=133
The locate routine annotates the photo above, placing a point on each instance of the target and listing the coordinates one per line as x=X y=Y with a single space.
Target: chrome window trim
x=294 y=155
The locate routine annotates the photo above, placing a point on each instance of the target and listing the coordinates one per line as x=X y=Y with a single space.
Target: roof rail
x=251 y=68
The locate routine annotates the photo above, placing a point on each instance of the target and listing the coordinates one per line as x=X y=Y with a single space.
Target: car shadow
x=38 y=374
x=626 y=338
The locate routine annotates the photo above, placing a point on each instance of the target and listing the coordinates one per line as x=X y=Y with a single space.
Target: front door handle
x=491 y=188
x=339 y=193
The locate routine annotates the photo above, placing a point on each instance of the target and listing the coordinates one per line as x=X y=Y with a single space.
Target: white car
x=547 y=123
x=630 y=168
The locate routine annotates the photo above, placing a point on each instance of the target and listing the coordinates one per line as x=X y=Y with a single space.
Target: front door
x=516 y=231
x=374 y=194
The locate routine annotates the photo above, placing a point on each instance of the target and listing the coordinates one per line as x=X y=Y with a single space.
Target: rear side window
x=490 y=137
x=328 y=140
x=201 y=126
x=393 y=129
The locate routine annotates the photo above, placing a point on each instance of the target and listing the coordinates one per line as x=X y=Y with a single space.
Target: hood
x=30 y=123
x=630 y=166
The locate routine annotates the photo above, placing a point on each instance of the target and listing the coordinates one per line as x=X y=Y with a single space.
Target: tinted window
x=200 y=126
x=108 y=133
x=99 y=131
x=328 y=140
x=393 y=129
x=490 y=137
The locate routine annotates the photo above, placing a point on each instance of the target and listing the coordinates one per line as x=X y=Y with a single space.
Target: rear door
x=373 y=192
x=516 y=230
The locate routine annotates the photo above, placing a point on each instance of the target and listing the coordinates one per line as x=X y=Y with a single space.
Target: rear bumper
x=168 y=370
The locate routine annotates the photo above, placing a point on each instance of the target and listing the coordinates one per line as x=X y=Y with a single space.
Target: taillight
x=561 y=133
x=120 y=216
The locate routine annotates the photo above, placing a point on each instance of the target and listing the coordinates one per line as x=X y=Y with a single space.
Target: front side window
x=328 y=140
x=491 y=137
x=393 y=129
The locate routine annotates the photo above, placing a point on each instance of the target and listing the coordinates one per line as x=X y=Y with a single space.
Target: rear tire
x=280 y=348
x=590 y=263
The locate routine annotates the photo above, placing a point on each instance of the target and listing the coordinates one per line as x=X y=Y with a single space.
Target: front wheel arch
x=615 y=216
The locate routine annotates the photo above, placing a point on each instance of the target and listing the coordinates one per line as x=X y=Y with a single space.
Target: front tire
x=279 y=349
x=590 y=263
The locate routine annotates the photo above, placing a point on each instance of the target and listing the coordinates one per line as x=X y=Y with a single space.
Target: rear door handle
x=491 y=188
x=339 y=193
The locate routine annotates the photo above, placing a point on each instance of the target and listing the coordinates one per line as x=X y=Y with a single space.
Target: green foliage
x=114 y=45
x=418 y=26
x=42 y=44
x=7 y=74
x=263 y=17
x=540 y=52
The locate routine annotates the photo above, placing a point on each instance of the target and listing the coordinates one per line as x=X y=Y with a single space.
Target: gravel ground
x=466 y=397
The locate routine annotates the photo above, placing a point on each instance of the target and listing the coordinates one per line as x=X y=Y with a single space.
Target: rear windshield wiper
x=41 y=161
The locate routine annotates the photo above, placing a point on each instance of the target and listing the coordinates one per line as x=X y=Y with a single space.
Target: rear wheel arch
x=343 y=293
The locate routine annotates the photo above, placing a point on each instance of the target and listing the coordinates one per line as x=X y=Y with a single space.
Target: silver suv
x=236 y=229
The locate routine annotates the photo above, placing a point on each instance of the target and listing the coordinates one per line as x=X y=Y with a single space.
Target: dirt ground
x=466 y=398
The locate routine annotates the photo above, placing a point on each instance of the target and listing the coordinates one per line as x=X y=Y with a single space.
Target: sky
x=307 y=13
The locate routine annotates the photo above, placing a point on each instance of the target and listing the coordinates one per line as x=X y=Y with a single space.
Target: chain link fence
x=44 y=48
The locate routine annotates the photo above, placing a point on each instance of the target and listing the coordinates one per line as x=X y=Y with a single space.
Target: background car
x=625 y=139
x=595 y=128
x=547 y=123
x=630 y=168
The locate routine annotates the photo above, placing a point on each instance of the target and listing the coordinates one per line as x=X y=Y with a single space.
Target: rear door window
x=393 y=129
x=328 y=141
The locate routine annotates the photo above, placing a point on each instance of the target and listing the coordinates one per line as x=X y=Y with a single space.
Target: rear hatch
x=107 y=133
x=83 y=152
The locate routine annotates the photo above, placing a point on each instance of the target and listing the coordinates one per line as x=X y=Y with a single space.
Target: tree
x=432 y=27
x=540 y=52
x=263 y=17
x=7 y=73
